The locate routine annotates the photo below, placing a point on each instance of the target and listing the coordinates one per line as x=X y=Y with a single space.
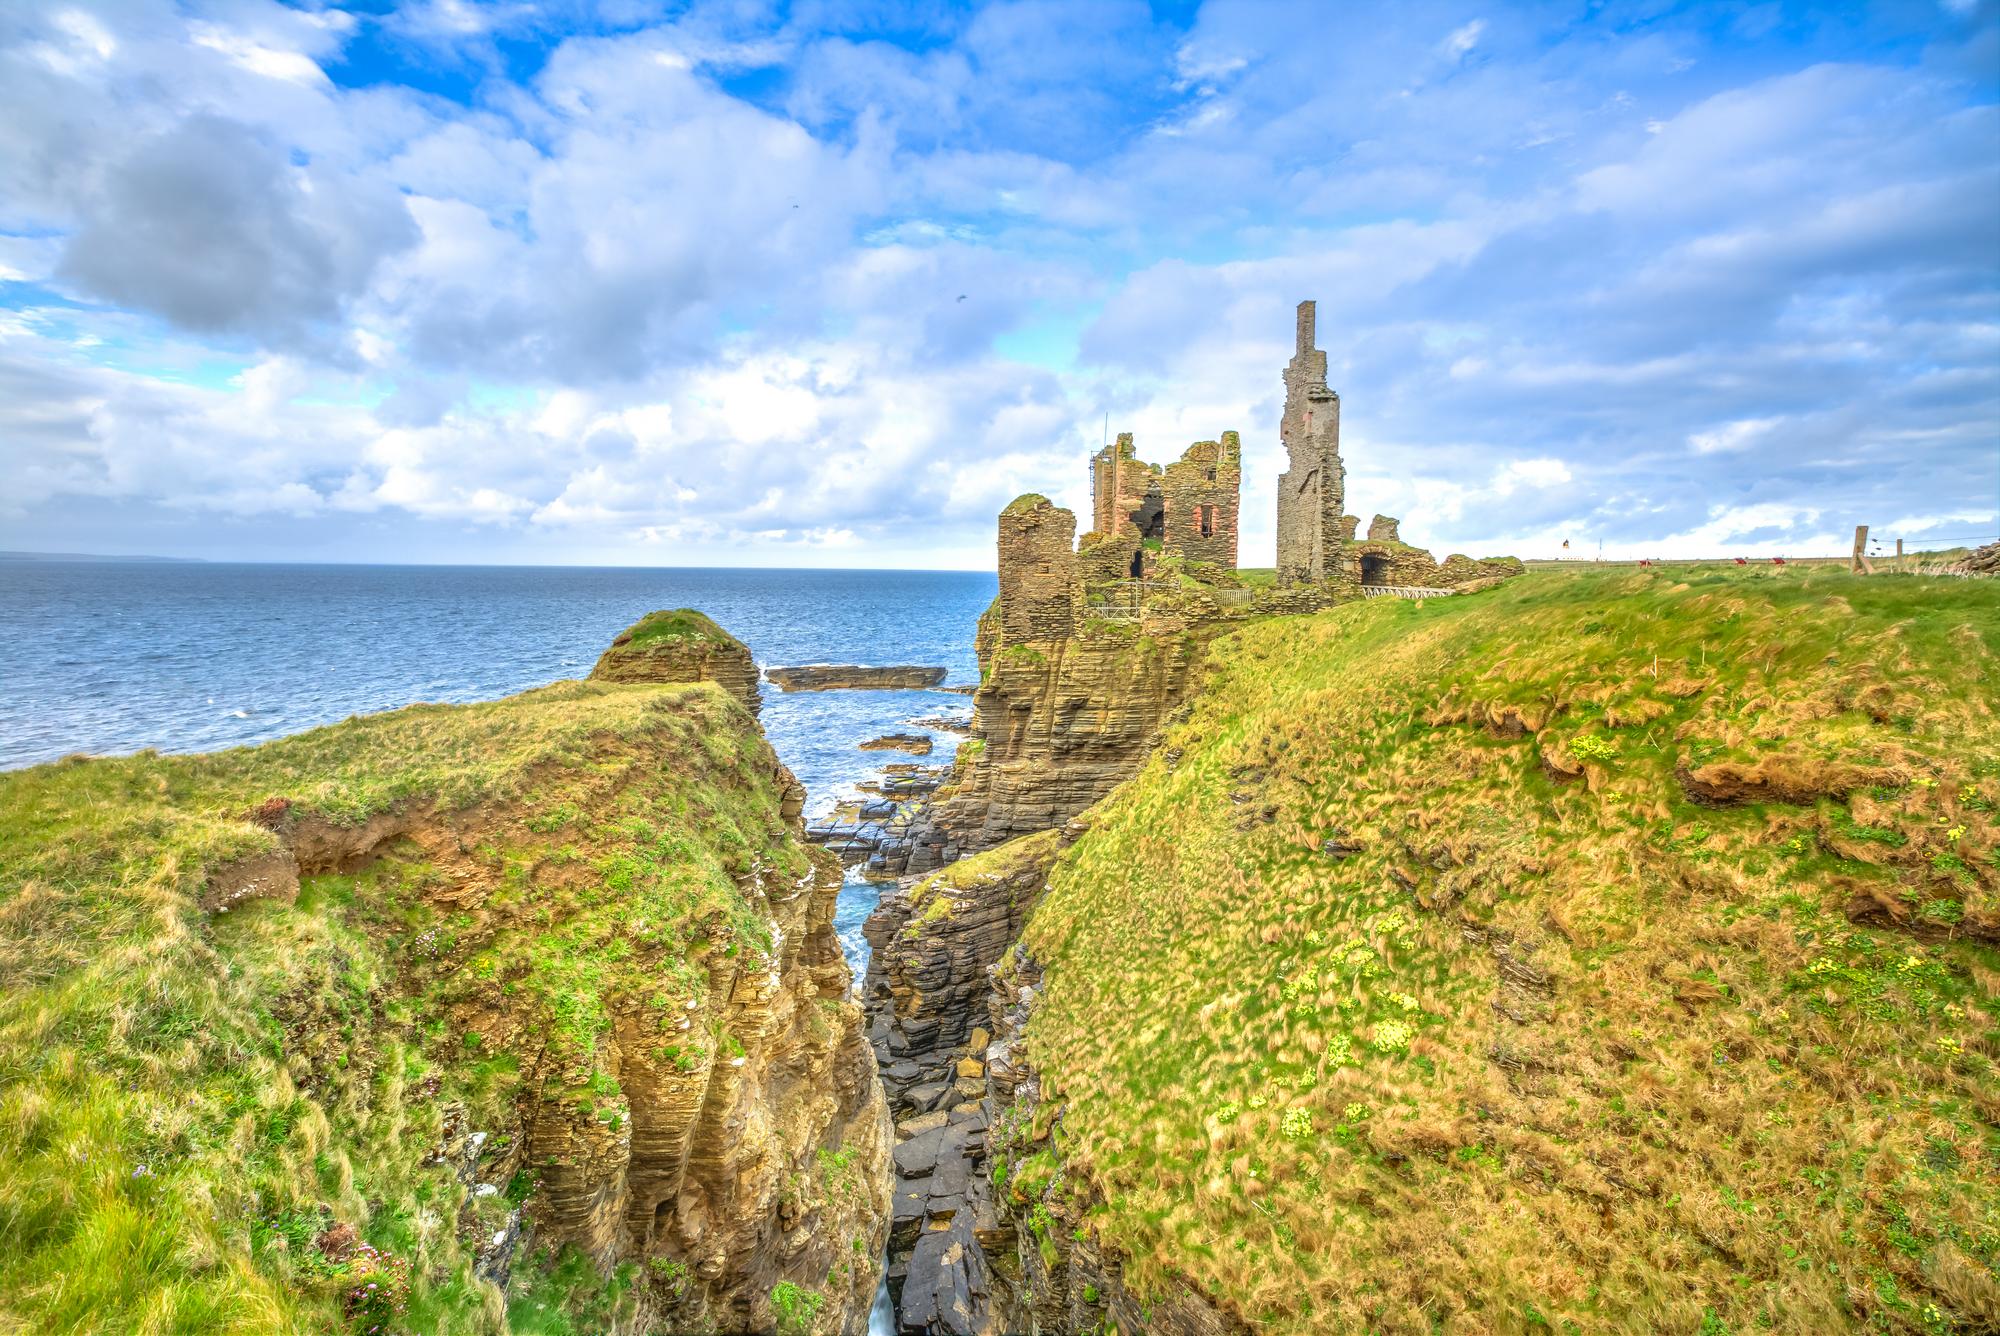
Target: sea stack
x=680 y=645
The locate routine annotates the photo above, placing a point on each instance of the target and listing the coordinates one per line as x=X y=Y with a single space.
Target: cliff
x=517 y=1016
x=1610 y=952
x=1057 y=724
x=680 y=645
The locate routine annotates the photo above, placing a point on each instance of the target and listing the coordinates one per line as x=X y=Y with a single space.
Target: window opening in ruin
x=1374 y=570
x=1139 y=564
x=1211 y=475
x=1206 y=514
x=1151 y=518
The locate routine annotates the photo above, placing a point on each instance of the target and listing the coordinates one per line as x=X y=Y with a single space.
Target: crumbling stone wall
x=1104 y=557
x=1040 y=594
x=1312 y=492
x=1201 y=493
x=1189 y=508
x=1123 y=486
x=1383 y=558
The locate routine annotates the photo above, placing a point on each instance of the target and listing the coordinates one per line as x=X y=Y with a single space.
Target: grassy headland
x=191 y=1098
x=1609 y=951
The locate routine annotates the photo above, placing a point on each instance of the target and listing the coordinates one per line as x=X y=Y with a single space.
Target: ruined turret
x=1313 y=490
x=1040 y=594
x=1141 y=512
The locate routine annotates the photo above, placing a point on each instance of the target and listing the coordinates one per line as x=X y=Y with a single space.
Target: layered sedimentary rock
x=855 y=677
x=680 y=645
x=750 y=1143
x=541 y=996
x=1057 y=724
x=916 y=744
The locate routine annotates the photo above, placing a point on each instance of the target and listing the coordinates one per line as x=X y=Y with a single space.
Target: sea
x=106 y=656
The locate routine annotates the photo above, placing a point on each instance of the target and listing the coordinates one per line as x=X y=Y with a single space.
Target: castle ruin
x=1162 y=543
x=1312 y=493
x=1142 y=513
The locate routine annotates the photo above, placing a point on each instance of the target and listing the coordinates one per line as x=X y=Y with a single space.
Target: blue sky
x=828 y=284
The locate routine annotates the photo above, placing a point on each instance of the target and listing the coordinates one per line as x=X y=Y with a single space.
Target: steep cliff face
x=1057 y=724
x=521 y=1015
x=680 y=645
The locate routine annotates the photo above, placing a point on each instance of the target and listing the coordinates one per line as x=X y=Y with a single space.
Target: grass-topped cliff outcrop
x=520 y=1016
x=1603 y=952
x=680 y=645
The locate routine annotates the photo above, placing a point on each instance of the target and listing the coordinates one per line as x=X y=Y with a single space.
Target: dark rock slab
x=854 y=677
x=946 y=1291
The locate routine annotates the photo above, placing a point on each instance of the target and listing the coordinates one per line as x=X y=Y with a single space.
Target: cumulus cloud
x=835 y=284
x=209 y=226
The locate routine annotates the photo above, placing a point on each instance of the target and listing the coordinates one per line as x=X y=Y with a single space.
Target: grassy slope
x=179 y=1093
x=1542 y=1054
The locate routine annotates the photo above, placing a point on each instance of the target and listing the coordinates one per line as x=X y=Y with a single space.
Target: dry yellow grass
x=1419 y=992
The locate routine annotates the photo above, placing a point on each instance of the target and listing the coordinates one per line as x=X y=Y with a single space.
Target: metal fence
x=1403 y=591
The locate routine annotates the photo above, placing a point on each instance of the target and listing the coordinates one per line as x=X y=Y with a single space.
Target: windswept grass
x=1416 y=991
x=188 y=1102
x=676 y=626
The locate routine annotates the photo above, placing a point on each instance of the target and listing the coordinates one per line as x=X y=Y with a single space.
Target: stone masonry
x=1312 y=492
x=1040 y=595
x=1200 y=495
x=1141 y=512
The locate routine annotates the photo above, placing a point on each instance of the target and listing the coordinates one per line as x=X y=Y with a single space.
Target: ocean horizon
x=114 y=656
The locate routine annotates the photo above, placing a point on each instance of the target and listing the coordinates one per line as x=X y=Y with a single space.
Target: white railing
x=1403 y=591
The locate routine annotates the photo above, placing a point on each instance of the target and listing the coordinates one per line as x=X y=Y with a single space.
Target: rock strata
x=874 y=827
x=916 y=744
x=680 y=645
x=1056 y=726
x=854 y=677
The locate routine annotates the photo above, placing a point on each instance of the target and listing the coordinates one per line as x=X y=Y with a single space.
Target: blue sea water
x=106 y=656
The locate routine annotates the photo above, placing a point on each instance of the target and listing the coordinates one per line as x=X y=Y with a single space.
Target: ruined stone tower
x=1140 y=511
x=1313 y=491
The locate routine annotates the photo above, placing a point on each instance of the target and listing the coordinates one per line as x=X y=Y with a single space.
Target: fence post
x=1860 y=565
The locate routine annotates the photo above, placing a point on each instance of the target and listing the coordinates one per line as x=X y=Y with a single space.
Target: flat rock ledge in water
x=916 y=744
x=852 y=676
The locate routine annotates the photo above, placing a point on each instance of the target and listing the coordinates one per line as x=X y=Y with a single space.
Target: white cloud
x=268 y=61
x=613 y=302
x=1739 y=435
x=1463 y=38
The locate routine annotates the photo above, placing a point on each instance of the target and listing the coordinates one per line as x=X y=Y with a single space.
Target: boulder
x=916 y=744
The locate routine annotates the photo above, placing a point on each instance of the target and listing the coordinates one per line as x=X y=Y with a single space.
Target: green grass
x=1491 y=1018
x=189 y=1100
x=677 y=626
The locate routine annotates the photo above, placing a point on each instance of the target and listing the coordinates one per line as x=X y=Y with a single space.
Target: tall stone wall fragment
x=1312 y=492
x=1040 y=594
